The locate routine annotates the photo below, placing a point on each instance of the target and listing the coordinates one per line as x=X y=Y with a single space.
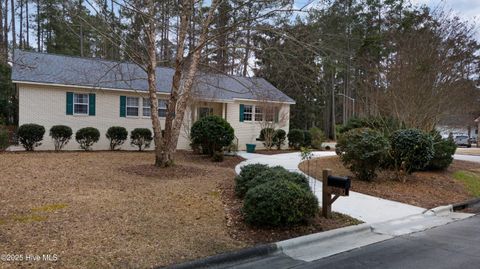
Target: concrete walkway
x=469 y=158
x=364 y=207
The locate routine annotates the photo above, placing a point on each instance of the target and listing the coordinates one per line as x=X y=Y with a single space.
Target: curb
x=466 y=204
x=227 y=258
x=328 y=235
x=439 y=210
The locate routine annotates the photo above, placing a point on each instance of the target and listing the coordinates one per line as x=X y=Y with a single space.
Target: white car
x=462 y=140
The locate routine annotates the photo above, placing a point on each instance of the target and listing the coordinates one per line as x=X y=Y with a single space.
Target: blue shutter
x=123 y=106
x=277 y=112
x=242 y=110
x=69 y=103
x=91 y=104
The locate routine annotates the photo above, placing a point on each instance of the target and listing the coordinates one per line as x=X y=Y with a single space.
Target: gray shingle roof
x=90 y=72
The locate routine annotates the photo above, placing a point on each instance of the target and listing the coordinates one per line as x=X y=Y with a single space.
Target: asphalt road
x=456 y=245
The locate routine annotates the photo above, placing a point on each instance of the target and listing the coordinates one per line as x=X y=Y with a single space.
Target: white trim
x=254 y=100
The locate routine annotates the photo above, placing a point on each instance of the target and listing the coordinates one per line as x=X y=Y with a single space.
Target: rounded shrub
x=61 y=135
x=279 y=138
x=275 y=174
x=30 y=135
x=307 y=139
x=318 y=137
x=444 y=149
x=362 y=151
x=117 y=136
x=86 y=137
x=141 y=138
x=412 y=149
x=295 y=138
x=212 y=133
x=279 y=203
x=247 y=173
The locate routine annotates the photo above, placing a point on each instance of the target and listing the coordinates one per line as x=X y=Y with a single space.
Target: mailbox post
x=333 y=185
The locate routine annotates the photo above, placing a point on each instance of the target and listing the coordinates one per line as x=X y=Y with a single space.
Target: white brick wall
x=47 y=106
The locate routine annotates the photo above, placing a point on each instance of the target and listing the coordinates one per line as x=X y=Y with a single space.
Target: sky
x=468 y=9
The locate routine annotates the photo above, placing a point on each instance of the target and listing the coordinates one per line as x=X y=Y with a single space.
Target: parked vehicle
x=462 y=140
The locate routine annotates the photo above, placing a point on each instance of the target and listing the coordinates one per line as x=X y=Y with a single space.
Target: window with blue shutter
x=91 y=104
x=69 y=103
x=123 y=106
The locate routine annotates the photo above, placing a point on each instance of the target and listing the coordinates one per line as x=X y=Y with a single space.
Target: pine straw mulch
x=240 y=230
x=112 y=209
x=275 y=151
x=425 y=189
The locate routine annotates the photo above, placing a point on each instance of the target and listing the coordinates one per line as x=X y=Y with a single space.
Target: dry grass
x=112 y=209
x=424 y=189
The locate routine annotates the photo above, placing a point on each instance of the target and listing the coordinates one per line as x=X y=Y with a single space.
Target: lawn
x=116 y=210
x=460 y=182
x=112 y=209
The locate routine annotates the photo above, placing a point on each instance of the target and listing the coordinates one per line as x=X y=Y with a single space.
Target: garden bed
x=116 y=210
x=425 y=189
x=275 y=151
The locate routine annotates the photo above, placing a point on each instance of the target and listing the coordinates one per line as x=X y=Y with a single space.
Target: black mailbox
x=339 y=182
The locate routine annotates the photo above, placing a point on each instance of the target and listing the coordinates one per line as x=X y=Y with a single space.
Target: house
x=88 y=92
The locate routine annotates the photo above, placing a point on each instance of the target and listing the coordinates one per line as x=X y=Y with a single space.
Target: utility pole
x=334 y=135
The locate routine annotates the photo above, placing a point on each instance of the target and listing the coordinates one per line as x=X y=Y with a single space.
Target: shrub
x=117 y=136
x=212 y=133
x=362 y=151
x=279 y=203
x=30 y=135
x=141 y=138
x=275 y=174
x=247 y=173
x=267 y=135
x=386 y=125
x=307 y=139
x=279 y=138
x=443 y=152
x=86 y=137
x=318 y=137
x=61 y=135
x=295 y=138
x=412 y=149
x=4 y=139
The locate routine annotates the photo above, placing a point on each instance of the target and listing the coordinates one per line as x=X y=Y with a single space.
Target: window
x=162 y=108
x=247 y=113
x=258 y=113
x=132 y=106
x=204 y=111
x=270 y=115
x=80 y=104
x=146 y=107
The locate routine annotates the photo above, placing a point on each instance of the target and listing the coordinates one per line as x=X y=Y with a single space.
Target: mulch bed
x=425 y=189
x=239 y=230
x=275 y=151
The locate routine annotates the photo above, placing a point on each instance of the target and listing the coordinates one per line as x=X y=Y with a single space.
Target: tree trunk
x=38 y=26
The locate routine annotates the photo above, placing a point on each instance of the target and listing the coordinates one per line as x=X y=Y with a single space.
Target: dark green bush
x=212 y=133
x=247 y=173
x=117 y=136
x=362 y=151
x=307 y=139
x=295 y=138
x=386 y=125
x=279 y=138
x=61 y=135
x=141 y=138
x=86 y=137
x=279 y=203
x=412 y=149
x=275 y=174
x=444 y=149
x=4 y=139
x=30 y=135
x=267 y=136
x=318 y=137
